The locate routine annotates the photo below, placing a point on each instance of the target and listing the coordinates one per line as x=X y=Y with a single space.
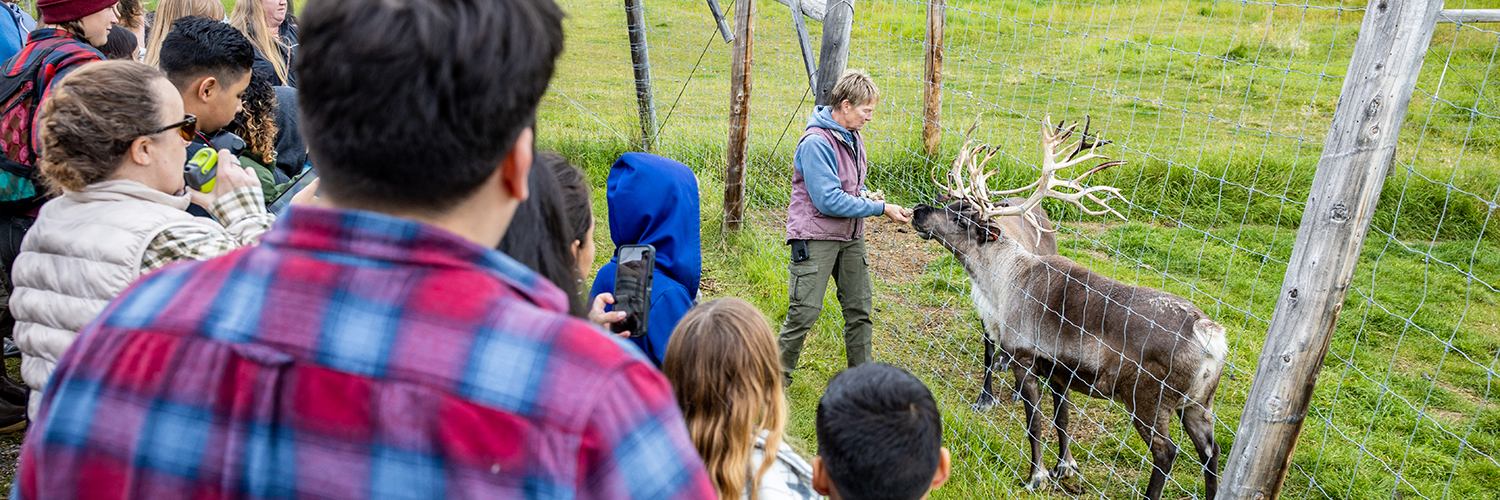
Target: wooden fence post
x=640 y=58
x=713 y=6
x=741 y=64
x=932 y=92
x=838 y=23
x=1360 y=148
x=802 y=40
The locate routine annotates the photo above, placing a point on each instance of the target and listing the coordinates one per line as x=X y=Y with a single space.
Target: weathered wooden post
x=1361 y=145
x=802 y=41
x=838 y=23
x=741 y=64
x=713 y=6
x=640 y=58
x=932 y=91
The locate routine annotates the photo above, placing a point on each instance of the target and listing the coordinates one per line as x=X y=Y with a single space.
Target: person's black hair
x=538 y=234
x=256 y=121
x=198 y=47
x=121 y=45
x=413 y=105
x=879 y=433
x=578 y=209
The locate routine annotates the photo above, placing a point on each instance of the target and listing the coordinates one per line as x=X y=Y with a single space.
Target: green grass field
x=1220 y=107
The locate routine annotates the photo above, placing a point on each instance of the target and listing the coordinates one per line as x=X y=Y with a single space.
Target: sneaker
x=11 y=351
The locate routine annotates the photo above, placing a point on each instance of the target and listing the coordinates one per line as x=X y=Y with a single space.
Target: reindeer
x=1040 y=242
x=1153 y=352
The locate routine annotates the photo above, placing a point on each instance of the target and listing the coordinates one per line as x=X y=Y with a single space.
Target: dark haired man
x=378 y=346
x=880 y=437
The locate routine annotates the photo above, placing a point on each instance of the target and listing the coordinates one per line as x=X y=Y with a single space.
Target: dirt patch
x=897 y=255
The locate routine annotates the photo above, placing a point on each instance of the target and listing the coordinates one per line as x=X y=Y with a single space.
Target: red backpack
x=19 y=97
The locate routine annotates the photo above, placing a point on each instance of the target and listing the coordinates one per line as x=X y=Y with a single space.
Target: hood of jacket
x=653 y=200
x=822 y=117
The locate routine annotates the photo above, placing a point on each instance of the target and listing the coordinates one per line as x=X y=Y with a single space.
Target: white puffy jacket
x=84 y=249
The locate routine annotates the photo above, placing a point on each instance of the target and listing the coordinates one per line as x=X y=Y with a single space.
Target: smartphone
x=635 y=265
x=298 y=184
x=799 y=250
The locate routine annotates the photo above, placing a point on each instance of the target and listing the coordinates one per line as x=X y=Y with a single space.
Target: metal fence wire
x=1221 y=108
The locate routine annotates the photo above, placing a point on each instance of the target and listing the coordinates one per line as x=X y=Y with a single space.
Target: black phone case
x=633 y=292
x=799 y=250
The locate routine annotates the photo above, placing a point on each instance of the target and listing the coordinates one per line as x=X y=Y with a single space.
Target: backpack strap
x=10 y=85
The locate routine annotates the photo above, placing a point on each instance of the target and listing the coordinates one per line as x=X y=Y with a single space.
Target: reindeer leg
x=1198 y=422
x=1061 y=410
x=1034 y=427
x=987 y=392
x=1163 y=452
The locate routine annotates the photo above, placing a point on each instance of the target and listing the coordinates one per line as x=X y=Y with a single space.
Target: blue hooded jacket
x=654 y=201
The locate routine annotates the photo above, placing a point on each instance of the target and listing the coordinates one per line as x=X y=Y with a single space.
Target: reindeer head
x=971 y=221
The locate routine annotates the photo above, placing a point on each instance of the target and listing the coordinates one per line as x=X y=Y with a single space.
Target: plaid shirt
x=243 y=213
x=354 y=355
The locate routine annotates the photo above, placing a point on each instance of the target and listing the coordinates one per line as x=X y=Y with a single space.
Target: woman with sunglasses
x=113 y=137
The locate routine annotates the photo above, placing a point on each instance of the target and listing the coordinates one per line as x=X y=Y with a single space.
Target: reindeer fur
x=1153 y=352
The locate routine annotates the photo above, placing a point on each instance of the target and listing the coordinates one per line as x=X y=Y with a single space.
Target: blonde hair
x=171 y=10
x=249 y=16
x=854 y=86
x=725 y=369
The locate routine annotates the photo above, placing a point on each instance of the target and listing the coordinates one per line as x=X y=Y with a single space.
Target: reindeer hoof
x=984 y=403
x=1065 y=469
x=1038 y=480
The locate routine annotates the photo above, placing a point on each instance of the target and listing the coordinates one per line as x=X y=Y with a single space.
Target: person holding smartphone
x=825 y=222
x=652 y=201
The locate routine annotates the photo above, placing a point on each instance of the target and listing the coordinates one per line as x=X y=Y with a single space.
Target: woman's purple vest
x=803 y=220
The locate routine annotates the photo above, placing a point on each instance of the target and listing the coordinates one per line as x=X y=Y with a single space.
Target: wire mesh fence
x=1221 y=107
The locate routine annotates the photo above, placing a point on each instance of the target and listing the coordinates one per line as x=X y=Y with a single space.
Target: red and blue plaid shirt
x=354 y=355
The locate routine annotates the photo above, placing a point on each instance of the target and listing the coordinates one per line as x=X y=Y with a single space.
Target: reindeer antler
x=977 y=193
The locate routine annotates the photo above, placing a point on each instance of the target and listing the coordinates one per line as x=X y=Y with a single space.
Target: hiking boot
x=13 y=393
x=12 y=418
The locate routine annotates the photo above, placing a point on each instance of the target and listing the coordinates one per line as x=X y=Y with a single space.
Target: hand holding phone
x=605 y=319
x=635 y=266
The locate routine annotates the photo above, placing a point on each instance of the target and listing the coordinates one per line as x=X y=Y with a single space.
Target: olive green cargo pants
x=845 y=261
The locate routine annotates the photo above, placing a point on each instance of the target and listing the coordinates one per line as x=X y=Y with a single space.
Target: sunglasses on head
x=187 y=128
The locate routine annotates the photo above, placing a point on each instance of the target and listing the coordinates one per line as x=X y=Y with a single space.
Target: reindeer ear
x=984 y=233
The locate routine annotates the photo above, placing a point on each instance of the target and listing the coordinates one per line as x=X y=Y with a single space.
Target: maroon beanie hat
x=61 y=11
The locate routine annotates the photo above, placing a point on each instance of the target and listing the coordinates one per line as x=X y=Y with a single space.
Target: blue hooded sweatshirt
x=820 y=171
x=654 y=201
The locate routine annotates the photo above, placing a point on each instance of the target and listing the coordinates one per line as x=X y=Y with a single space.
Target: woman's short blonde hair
x=856 y=87
x=90 y=119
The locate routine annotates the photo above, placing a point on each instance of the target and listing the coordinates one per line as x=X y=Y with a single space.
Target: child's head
x=121 y=45
x=209 y=63
x=880 y=436
x=538 y=235
x=256 y=122
x=724 y=368
x=578 y=209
